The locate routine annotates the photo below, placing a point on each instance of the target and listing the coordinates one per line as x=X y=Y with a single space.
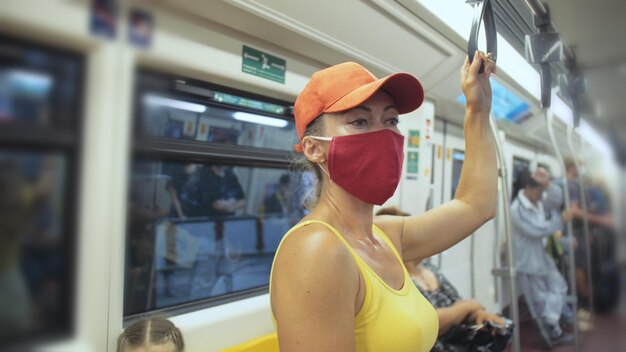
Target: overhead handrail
x=569 y=228
x=510 y=271
x=583 y=201
x=483 y=13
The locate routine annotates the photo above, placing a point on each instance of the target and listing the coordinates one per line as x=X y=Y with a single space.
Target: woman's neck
x=347 y=213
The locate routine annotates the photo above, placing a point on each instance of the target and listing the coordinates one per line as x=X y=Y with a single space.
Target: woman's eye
x=359 y=122
x=393 y=121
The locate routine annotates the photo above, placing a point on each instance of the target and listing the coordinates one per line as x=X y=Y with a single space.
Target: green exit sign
x=261 y=64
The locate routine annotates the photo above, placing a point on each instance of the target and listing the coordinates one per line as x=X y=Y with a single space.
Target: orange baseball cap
x=345 y=86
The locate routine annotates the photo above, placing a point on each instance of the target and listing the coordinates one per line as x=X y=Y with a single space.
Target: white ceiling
x=596 y=31
x=386 y=37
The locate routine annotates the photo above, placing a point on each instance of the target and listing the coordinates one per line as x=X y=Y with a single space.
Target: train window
x=39 y=111
x=458 y=156
x=209 y=115
x=210 y=195
x=199 y=231
x=38 y=86
x=505 y=105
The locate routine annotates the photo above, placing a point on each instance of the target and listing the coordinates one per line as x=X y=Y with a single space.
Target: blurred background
x=146 y=150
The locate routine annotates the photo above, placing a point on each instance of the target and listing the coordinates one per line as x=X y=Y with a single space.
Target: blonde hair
x=150 y=332
x=301 y=164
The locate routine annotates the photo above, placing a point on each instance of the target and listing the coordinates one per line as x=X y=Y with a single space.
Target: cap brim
x=405 y=90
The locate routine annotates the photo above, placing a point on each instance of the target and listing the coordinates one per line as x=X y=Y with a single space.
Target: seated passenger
x=451 y=309
x=539 y=279
x=151 y=335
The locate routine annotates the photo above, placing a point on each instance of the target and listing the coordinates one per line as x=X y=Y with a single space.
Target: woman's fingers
x=475 y=66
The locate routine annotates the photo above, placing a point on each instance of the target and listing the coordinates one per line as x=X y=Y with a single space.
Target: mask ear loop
x=323 y=170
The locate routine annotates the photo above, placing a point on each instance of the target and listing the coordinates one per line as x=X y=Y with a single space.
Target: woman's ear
x=313 y=149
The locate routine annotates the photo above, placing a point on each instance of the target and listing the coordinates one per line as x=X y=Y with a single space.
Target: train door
x=456 y=261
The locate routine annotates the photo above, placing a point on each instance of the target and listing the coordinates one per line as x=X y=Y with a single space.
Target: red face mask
x=367 y=165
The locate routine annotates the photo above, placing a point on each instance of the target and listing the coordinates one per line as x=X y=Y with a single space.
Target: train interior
x=113 y=114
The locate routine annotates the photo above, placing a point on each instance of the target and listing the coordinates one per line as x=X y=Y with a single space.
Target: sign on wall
x=412 y=163
x=414 y=138
x=264 y=65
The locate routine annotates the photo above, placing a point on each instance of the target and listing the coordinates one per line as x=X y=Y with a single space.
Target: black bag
x=487 y=337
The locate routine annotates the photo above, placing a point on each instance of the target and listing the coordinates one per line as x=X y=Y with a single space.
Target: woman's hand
x=476 y=86
x=471 y=307
x=482 y=317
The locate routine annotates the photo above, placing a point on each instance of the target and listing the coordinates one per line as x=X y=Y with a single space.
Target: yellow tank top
x=390 y=319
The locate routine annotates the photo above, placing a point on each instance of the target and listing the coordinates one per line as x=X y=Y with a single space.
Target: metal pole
x=443 y=179
x=511 y=271
x=570 y=233
x=496 y=253
x=472 y=266
x=583 y=200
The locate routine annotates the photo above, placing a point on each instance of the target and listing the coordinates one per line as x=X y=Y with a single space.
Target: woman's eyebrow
x=368 y=109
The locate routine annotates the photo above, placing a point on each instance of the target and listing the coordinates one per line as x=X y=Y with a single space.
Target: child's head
x=151 y=335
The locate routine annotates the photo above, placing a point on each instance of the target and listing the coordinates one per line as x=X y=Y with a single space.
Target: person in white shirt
x=539 y=279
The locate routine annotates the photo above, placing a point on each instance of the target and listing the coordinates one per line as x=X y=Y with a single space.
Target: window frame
x=63 y=136
x=163 y=149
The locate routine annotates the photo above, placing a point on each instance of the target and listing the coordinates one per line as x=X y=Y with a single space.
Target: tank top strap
x=332 y=229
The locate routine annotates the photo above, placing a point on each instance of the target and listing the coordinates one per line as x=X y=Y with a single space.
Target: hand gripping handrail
x=483 y=12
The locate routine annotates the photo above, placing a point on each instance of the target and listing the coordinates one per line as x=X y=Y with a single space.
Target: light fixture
x=30 y=80
x=173 y=103
x=259 y=119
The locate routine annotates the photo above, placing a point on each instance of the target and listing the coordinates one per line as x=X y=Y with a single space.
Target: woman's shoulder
x=313 y=260
x=313 y=247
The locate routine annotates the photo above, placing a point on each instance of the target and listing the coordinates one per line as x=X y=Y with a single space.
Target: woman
x=338 y=282
x=451 y=309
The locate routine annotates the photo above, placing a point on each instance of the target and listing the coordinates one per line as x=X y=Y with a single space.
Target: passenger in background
x=604 y=264
x=338 y=282
x=16 y=311
x=151 y=335
x=581 y=250
x=540 y=281
x=284 y=201
x=191 y=188
x=223 y=191
x=452 y=310
x=552 y=199
x=280 y=202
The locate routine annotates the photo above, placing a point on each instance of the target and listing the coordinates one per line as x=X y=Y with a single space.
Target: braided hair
x=150 y=332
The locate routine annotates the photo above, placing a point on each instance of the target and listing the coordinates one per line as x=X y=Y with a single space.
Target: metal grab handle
x=546 y=85
x=483 y=12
